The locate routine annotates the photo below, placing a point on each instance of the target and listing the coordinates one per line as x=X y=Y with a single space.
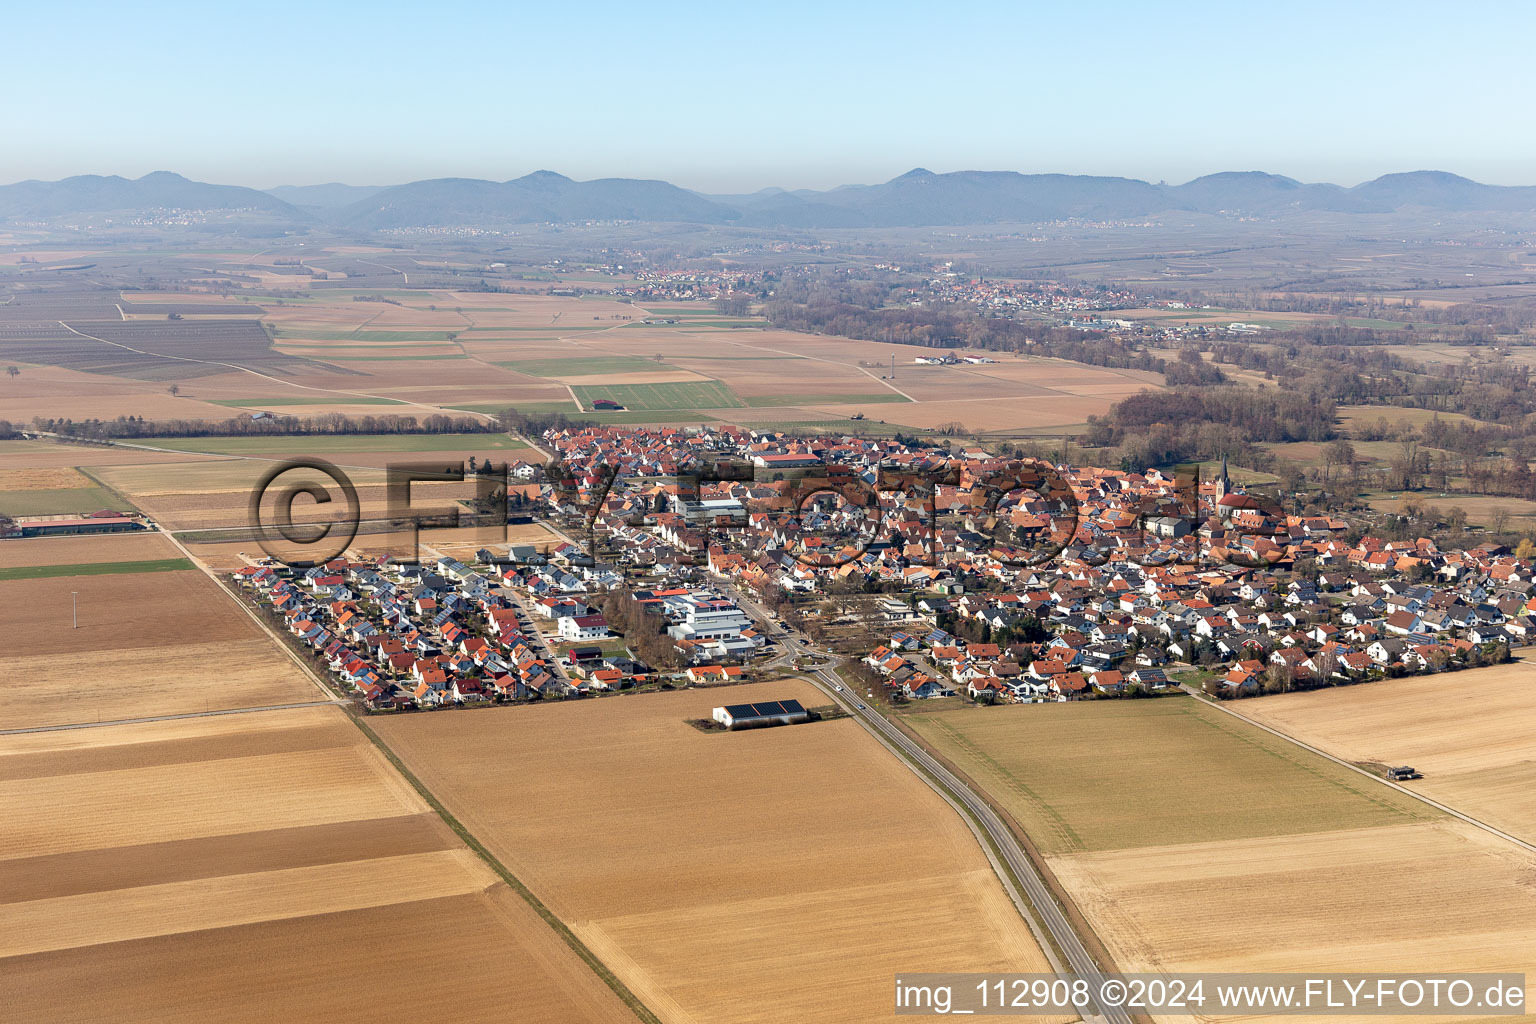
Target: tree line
x=331 y=423
x=1154 y=428
x=644 y=632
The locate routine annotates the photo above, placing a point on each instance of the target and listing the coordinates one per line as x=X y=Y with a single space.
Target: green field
x=340 y=443
x=862 y=398
x=687 y=395
x=1114 y=775
x=586 y=366
x=659 y=417
x=38 y=572
x=319 y=399
x=531 y=408
x=557 y=328
x=61 y=501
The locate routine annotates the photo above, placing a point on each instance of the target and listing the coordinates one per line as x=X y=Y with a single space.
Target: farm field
x=1480 y=508
x=1191 y=845
x=60 y=501
x=346 y=444
x=1275 y=321
x=25 y=572
x=1039 y=762
x=39 y=455
x=683 y=396
x=425 y=350
x=108 y=549
x=813 y=864
x=121 y=612
x=264 y=861
x=148 y=643
x=214 y=494
x=1468 y=732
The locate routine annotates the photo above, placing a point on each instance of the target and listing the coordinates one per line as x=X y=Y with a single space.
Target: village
x=704 y=544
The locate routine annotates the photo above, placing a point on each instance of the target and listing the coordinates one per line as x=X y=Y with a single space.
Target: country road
x=1041 y=908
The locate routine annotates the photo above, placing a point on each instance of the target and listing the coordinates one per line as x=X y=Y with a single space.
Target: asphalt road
x=1046 y=911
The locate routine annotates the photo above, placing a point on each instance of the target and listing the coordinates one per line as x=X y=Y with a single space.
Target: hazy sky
x=733 y=97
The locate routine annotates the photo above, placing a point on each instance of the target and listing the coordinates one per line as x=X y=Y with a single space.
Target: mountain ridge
x=918 y=197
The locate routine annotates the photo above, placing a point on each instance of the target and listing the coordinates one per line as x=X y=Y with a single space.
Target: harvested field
x=846 y=868
x=1480 y=508
x=1193 y=844
x=346 y=443
x=172 y=679
x=44 y=454
x=1352 y=900
x=41 y=479
x=584 y=366
x=117 y=547
x=264 y=862
x=1468 y=732
x=120 y=612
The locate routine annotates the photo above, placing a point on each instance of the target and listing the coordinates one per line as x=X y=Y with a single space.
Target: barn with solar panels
x=761 y=713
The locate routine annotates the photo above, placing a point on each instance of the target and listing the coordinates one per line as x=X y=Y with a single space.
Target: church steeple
x=1223 y=484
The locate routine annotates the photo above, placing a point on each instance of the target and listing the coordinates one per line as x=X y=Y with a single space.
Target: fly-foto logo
x=1022 y=513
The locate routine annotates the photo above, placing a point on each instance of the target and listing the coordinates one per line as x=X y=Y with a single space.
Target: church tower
x=1223 y=484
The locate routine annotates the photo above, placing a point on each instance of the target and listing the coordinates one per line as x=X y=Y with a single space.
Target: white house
x=583 y=627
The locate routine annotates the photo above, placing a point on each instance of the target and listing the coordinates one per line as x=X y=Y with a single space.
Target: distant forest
x=273 y=426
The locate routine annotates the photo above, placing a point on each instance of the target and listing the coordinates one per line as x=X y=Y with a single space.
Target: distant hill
x=975 y=197
x=538 y=197
x=919 y=197
x=331 y=196
x=160 y=191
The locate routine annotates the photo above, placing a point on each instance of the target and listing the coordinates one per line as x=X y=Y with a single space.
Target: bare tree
x=13 y=371
x=733 y=304
x=174 y=390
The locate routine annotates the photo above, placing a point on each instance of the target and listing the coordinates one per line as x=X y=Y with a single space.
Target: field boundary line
x=550 y=918
x=1437 y=805
x=68 y=726
x=266 y=376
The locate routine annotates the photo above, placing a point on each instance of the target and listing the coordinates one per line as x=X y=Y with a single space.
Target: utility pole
x=74 y=609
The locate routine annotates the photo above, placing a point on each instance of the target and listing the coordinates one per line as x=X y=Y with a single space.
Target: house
x=921 y=687
x=1109 y=682
x=713 y=674
x=1149 y=678
x=583 y=627
x=1240 y=682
